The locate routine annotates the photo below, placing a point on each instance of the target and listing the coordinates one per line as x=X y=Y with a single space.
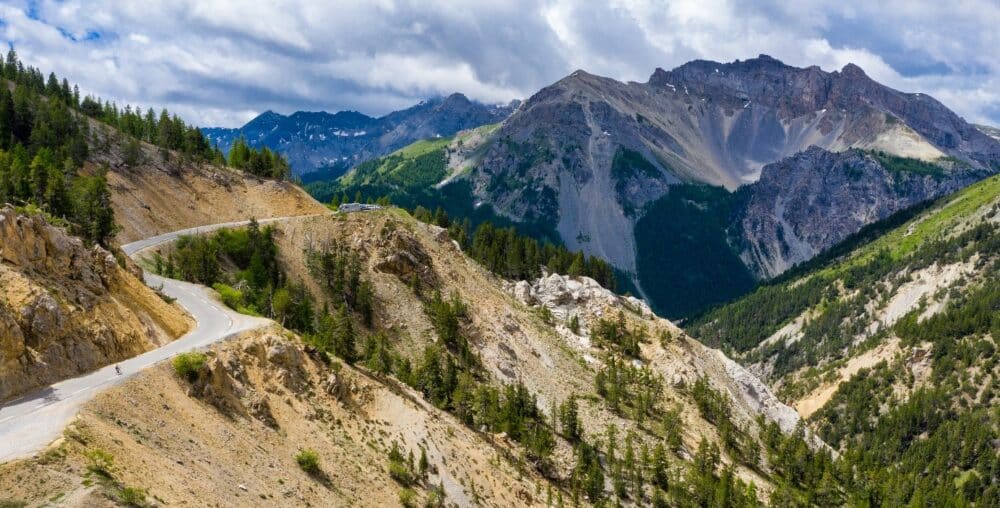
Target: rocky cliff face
x=682 y=362
x=338 y=141
x=563 y=157
x=806 y=203
x=66 y=308
x=847 y=102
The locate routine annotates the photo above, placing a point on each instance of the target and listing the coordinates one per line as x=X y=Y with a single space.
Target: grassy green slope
x=743 y=324
x=410 y=177
x=415 y=166
x=916 y=424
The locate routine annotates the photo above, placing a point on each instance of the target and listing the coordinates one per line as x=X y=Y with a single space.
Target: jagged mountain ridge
x=690 y=238
x=554 y=159
x=338 y=141
x=807 y=203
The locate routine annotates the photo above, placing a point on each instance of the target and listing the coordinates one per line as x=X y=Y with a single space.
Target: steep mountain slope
x=565 y=152
x=696 y=236
x=161 y=191
x=232 y=439
x=992 y=132
x=335 y=142
x=889 y=348
x=636 y=382
x=806 y=203
x=611 y=168
x=872 y=272
x=66 y=308
x=508 y=328
x=507 y=332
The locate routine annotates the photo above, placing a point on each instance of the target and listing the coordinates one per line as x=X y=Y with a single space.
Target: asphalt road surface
x=31 y=422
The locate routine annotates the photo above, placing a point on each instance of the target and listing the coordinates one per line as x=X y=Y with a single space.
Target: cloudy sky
x=219 y=62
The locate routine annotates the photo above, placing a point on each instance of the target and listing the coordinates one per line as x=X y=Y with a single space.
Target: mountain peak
x=582 y=79
x=853 y=71
x=580 y=74
x=267 y=118
x=764 y=59
x=458 y=98
x=659 y=76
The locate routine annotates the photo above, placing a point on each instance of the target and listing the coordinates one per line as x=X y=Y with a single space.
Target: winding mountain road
x=31 y=422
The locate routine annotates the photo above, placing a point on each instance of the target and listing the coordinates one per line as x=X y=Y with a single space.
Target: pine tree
x=344 y=337
x=6 y=184
x=577 y=267
x=570 y=421
x=594 y=482
x=24 y=116
x=660 y=467
x=40 y=175
x=378 y=357
x=56 y=194
x=6 y=118
x=52 y=86
x=164 y=133
x=423 y=464
x=92 y=208
x=11 y=66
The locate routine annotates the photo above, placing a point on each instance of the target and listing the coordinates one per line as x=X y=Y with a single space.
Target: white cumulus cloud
x=220 y=62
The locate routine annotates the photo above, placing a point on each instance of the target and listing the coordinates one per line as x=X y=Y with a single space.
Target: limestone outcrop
x=67 y=308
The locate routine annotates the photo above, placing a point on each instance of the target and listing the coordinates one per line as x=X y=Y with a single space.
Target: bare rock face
x=682 y=361
x=218 y=385
x=565 y=296
x=226 y=383
x=401 y=254
x=66 y=308
x=807 y=203
x=12 y=345
x=29 y=243
x=287 y=359
x=558 y=160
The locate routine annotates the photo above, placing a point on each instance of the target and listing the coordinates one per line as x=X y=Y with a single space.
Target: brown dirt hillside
x=66 y=309
x=231 y=439
x=512 y=336
x=162 y=192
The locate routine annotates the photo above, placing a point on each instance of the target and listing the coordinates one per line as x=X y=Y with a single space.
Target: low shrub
x=231 y=296
x=187 y=365
x=408 y=498
x=308 y=460
x=399 y=472
x=100 y=462
x=132 y=496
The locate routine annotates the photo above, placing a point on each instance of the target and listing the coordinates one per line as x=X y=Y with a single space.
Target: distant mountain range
x=711 y=176
x=331 y=143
